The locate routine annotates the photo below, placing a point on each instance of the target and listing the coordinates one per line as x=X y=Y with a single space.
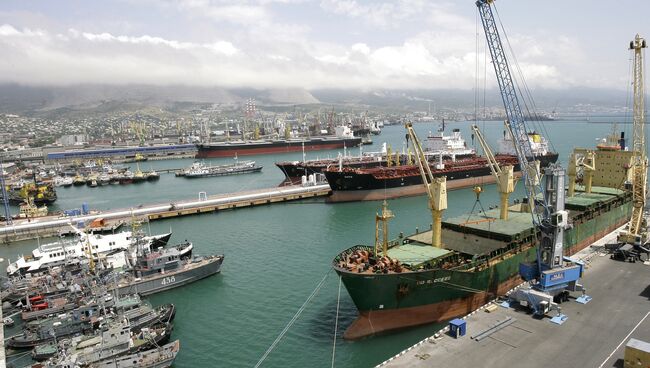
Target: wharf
x=594 y=335
x=51 y=226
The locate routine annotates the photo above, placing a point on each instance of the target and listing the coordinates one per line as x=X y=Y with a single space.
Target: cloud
x=247 y=44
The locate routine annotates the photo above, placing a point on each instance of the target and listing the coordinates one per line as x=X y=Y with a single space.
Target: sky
x=337 y=44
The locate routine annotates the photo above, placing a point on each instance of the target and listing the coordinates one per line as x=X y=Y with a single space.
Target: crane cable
x=293 y=320
x=527 y=98
x=336 y=322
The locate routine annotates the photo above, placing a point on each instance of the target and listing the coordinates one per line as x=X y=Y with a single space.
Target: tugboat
x=138 y=176
x=152 y=175
x=78 y=180
x=41 y=192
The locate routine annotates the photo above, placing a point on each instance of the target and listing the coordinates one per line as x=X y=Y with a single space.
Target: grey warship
x=159 y=270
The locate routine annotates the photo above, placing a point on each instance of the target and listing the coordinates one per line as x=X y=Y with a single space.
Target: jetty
x=52 y=226
x=594 y=335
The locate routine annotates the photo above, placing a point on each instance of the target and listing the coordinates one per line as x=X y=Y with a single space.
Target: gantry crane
x=636 y=231
x=436 y=188
x=504 y=176
x=551 y=273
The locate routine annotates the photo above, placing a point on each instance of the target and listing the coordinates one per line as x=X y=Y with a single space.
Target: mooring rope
x=336 y=322
x=293 y=320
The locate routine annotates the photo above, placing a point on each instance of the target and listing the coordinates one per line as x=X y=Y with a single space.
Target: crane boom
x=545 y=198
x=636 y=233
x=504 y=176
x=514 y=113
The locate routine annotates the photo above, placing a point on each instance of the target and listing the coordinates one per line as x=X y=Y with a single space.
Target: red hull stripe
x=245 y=151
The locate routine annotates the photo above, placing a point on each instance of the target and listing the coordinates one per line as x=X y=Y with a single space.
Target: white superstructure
x=447 y=145
x=538 y=144
x=57 y=253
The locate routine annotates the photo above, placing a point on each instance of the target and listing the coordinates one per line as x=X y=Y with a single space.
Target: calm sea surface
x=276 y=255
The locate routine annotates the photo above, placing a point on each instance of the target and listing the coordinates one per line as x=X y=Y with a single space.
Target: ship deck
x=481 y=233
x=414 y=254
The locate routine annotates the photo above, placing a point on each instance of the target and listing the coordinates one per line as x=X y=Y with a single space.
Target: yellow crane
x=587 y=163
x=436 y=188
x=635 y=232
x=504 y=176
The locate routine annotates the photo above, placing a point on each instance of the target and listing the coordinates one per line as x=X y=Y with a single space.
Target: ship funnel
x=621 y=141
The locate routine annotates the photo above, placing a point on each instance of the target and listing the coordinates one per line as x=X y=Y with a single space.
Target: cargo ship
x=343 y=138
x=409 y=282
x=451 y=147
x=383 y=182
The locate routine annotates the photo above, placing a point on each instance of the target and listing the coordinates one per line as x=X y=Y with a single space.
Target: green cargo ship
x=413 y=283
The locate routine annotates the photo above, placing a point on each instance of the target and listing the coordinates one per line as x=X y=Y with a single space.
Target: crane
x=636 y=233
x=436 y=188
x=551 y=276
x=504 y=176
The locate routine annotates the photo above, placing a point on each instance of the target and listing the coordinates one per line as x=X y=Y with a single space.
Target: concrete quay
x=51 y=226
x=594 y=335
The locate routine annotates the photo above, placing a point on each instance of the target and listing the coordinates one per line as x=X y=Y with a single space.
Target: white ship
x=60 y=252
x=453 y=146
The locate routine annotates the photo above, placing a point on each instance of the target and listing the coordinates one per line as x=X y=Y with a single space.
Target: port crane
x=636 y=232
x=435 y=187
x=552 y=276
x=504 y=175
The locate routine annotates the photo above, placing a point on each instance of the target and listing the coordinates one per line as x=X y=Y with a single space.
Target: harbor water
x=276 y=255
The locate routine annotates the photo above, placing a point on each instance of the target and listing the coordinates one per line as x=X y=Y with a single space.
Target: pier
x=594 y=335
x=52 y=226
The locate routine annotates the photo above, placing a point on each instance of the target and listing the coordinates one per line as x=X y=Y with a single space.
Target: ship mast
x=636 y=231
x=381 y=226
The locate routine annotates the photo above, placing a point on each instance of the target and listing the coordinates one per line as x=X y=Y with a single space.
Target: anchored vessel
x=410 y=282
x=450 y=147
x=343 y=138
x=201 y=170
x=361 y=184
x=166 y=268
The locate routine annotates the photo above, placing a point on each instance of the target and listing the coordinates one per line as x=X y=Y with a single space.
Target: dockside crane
x=436 y=187
x=504 y=176
x=552 y=276
x=636 y=232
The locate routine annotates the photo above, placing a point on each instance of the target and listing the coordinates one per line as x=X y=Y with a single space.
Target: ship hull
x=388 y=302
x=258 y=148
x=368 y=185
x=295 y=170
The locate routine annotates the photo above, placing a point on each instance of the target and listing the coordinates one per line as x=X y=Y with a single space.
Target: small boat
x=160 y=357
x=126 y=178
x=61 y=181
x=29 y=210
x=78 y=180
x=138 y=176
x=104 y=179
x=8 y=321
x=152 y=175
